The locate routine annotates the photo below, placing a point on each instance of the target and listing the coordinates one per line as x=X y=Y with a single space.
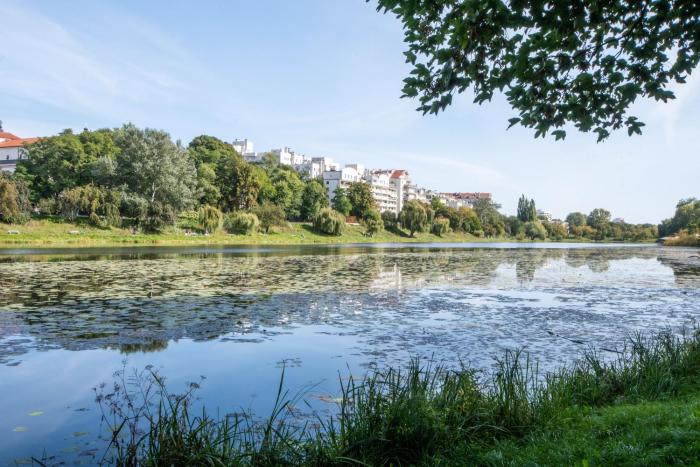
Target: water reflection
x=137 y=302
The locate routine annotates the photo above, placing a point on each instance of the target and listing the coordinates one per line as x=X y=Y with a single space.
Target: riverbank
x=46 y=233
x=640 y=408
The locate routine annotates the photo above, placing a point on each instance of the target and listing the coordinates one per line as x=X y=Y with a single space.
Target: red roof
x=398 y=173
x=5 y=135
x=16 y=142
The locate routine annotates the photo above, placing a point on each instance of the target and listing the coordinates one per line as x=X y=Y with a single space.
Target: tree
x=210 y=219
x=535 y=230
x=390 y=219
x=241 y=223
x=414 y=217
x=576 y=219
x=372 y=222
x=313 y=199
x=238 y=182
x=14 y=200
x=360 y=197
x=686 y=217
x=558 y=63
x=207 y=152
x=526 y=209
x=441 y=226
x=329 y=222
x=341 y=203
x=270 y=215
x=470 y=222
x=491 y=220
x=598 y=219
x=288 y=190
x=153 y=167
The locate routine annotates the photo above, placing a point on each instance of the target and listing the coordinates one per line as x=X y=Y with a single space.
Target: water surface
x=69 y=318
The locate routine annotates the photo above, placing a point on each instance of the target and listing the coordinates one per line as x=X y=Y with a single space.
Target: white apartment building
x=325 y=164
x=383 y=192
x=332 y=179
x=400 y=181
x=12 y=150
x=309 y=168
x=544 y=215
x=243 y=146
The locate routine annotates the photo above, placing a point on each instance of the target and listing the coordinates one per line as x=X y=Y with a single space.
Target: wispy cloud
x=72 y=70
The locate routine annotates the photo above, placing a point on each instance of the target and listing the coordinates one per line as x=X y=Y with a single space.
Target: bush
x=390 y=219
x=158 y=216
x=373 y=223
x=329 y=221
x=269 y=215
x=535 y=230
x=242 y=223
x=441 y=226
x=210 y=219
x=14 y=208
x=414 y=217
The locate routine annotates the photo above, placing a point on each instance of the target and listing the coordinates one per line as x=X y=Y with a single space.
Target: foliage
x=576 y=219
x=92 y=201
x=686 y=217
x=558 y=63
x=15 y=207
x=469 y=220
x=269 y=215
x=373 y=223
x=428 y=414
x=390 y=220
x=535 y=230
x=360 y=196
x=526 y=209
x=241 y=223
x=329 y=222
x=340 y=202
x=440 y=226
x=313 y=199
x=288 y=190
x=414 y=217
x=599 y=219
x=210 y=219
x=491 y=220
x=153 y=167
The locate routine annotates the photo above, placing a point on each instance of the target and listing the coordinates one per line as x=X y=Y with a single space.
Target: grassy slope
x=47 y=233
x=649 y=433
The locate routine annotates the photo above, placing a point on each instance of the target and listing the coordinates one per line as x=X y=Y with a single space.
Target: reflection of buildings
x=138 y=304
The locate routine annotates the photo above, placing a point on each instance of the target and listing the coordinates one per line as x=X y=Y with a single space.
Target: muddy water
x=70 y=318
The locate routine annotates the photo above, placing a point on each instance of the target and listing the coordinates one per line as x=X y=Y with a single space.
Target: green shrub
x=535 y=230
x=329 y=221
x=390 y=219
x=210 y=219
x=373 y=223
x=441 y=226
x=242 y=223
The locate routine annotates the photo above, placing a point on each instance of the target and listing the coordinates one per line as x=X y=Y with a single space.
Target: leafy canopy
x=557 y=61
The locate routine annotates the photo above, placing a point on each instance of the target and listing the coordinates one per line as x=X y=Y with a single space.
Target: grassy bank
x=48 y=233
x=51 y=233
x=683 y=240
x=641 y=408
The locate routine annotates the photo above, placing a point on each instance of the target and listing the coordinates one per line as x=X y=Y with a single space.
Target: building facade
x=12 y=150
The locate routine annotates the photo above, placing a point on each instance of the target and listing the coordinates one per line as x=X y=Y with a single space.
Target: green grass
x=49 y=233
x=640 y=408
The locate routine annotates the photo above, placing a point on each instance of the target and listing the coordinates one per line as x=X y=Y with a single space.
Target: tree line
x=144 y=179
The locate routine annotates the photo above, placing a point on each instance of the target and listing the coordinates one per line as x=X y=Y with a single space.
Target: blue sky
x=323 y=77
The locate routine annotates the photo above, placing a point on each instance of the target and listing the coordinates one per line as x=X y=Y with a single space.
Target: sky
x=323 y=77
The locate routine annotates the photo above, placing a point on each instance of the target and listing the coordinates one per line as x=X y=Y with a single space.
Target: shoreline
x=44 y=234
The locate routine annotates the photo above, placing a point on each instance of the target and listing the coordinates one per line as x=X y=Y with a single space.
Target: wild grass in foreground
x=639 y=408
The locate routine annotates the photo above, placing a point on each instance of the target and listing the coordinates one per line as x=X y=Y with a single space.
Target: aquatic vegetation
x=424 y=414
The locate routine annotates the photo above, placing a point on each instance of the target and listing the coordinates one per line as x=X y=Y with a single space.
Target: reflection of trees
x=685 y=264
x=140 y=304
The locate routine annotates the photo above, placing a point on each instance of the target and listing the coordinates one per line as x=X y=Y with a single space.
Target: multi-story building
x=544 y=215
x=383 y=192
x=12 y=150
x=243 y=146
x=332 y=179
x=400 y=181
x=325 y=164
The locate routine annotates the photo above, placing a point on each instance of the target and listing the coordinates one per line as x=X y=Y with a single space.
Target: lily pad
x=36 y=413
x=20 y=429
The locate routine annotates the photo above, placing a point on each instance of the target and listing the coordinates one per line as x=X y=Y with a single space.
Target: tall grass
x=399 y=417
